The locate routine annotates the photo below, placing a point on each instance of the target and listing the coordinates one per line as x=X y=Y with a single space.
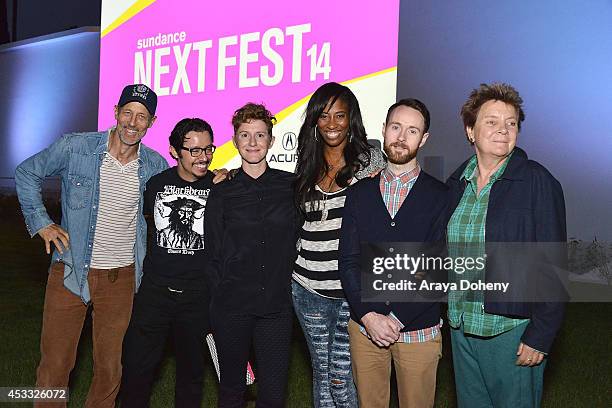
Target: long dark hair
x=311 y=164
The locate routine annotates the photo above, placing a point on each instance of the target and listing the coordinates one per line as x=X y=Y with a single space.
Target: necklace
x=324 y=211
x=337 y=164
x=325 y=193
x=329 y=190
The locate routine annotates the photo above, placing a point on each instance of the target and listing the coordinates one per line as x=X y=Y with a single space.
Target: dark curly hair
x=311 y=165
x=253 y=111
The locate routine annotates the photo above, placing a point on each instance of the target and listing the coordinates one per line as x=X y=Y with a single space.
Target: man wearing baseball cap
x=101 y=242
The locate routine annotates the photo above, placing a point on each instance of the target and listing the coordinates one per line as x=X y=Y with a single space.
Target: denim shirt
x=77 y=158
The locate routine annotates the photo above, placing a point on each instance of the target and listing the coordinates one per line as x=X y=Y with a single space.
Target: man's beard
x=399 y=158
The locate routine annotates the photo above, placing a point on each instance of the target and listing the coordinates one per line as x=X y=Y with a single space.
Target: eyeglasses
x=197 y=151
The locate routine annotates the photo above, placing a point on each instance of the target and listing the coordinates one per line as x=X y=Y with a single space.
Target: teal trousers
x=486 y=375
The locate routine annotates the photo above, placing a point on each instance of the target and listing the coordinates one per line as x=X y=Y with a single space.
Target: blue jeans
x=324 y=322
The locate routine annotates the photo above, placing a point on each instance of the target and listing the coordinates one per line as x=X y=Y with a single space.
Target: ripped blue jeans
x=324 y=322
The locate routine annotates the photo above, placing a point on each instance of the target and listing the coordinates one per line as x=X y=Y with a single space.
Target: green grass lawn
x=579 y=372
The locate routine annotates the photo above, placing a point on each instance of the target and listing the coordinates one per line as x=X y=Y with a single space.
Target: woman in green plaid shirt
x=499 y=349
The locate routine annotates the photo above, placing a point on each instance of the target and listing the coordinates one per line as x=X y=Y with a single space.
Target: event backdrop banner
x=205 y=59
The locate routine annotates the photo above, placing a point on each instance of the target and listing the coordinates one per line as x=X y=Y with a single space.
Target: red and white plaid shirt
x=395 y=189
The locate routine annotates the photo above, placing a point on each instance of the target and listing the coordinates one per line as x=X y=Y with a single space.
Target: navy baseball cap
x=139 y=93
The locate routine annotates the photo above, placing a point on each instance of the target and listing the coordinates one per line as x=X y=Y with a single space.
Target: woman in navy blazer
x=525 y=205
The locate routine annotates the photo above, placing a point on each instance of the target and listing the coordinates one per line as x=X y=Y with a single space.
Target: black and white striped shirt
x=316 y=267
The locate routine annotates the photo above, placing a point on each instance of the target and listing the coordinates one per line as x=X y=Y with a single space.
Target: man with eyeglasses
x=100 y=245
x=173 y=297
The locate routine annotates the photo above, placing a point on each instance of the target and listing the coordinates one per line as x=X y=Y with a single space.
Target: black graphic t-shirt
x=175 y=251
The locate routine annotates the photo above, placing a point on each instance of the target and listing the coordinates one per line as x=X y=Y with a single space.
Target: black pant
x=270 y=336
x=157 y=312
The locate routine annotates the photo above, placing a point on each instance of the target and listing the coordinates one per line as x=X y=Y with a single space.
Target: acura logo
x=289 y=141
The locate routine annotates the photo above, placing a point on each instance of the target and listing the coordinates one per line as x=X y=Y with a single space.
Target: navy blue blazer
x=525 y=205
x=421 y=218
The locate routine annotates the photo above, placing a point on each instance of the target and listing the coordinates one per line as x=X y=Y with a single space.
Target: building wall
x=47 y=88
x=37 y=17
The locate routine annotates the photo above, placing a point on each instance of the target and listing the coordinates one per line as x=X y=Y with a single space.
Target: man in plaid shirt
x=411 y=210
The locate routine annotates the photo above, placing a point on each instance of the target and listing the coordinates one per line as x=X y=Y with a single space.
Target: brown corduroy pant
x=112 y=294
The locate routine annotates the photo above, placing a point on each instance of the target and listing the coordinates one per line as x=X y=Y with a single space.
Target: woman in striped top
x=333 y=153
